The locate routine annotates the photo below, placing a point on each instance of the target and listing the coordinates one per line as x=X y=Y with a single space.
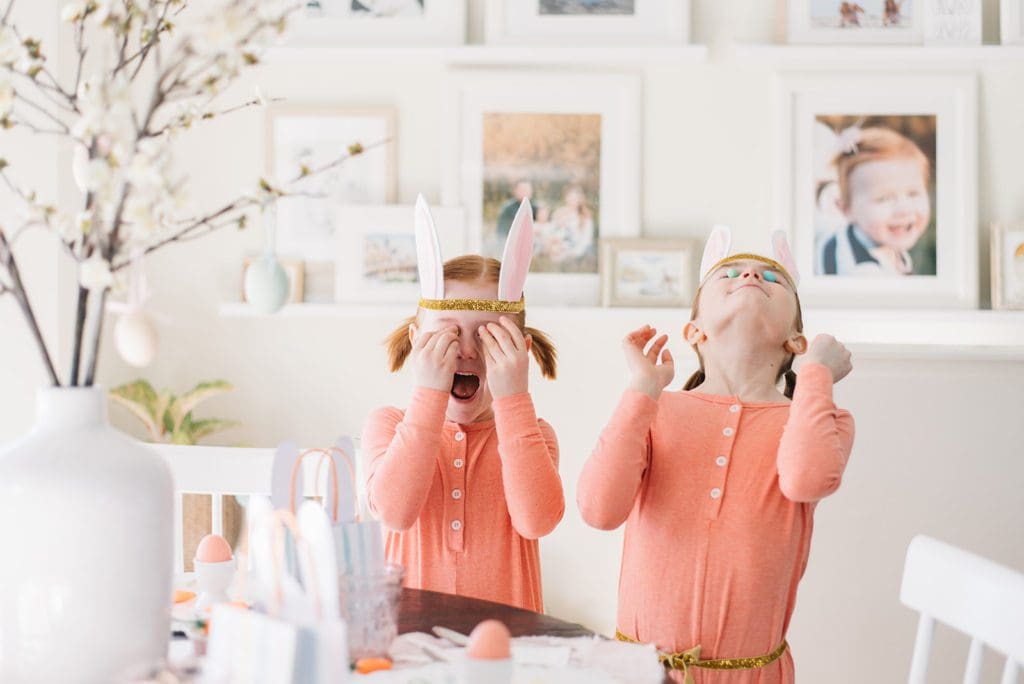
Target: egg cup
x=212 y=581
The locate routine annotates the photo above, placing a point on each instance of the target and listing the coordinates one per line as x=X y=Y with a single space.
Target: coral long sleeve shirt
x=718 y=497
x=464 y=505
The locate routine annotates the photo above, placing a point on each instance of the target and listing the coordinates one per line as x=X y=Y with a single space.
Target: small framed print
x=648 y=272
x=1008 y=266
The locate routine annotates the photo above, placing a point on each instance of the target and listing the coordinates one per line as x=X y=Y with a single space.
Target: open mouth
x=901 y=229
x=465 y=386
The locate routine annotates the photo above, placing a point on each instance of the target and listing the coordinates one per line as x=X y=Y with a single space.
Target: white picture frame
x=1011 y=22
x=337 y=24
x=387 y=231
x=648 y=272
x=316 y=134
x=808 y=22
x=951 y=101
x=952 y=22
x=526 y=23
x=611 y=103
x=1007 y=261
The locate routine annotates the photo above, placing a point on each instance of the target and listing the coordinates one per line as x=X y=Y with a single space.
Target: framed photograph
x=1011 y=22
x=952 y=22
x=581 y=21
x=574 y=152
x=376 y=251
x=830 y=22
x=1007 y=247
x=295 y=270
x=648 y=272
x=313 y=135
x=344 y=23
x=878 y=188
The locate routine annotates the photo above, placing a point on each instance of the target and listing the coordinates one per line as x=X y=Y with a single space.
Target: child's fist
x=830 y=352
x=433 y=357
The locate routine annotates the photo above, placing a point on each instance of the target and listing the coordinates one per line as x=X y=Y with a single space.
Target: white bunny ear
x=784 y=255
x=716 y=249
x=428 y=253
x=515 y=260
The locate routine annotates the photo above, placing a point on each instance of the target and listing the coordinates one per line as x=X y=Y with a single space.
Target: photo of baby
x=874 y=14
x=874 y=193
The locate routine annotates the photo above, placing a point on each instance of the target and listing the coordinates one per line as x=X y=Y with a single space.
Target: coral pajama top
x=465 y=504
x=718 y=498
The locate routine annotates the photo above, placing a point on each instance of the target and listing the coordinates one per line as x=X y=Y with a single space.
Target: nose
x=752 y=273
x=468 y=344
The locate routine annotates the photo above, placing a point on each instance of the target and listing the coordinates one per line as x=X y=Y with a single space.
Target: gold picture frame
x=652 y=272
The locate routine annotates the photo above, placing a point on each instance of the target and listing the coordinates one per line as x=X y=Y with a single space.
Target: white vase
x=85 y=548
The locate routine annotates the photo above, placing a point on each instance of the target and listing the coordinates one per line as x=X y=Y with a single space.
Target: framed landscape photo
x=573 y=152
x=578 y=22
x=1007 y=247
x=833 y=22
x=877 y=186
x=376 y=251
x=648 y=272
x=311 y=135
x=345 y=23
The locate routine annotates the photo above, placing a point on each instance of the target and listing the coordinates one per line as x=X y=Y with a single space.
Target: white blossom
x=94 y=273
x=11 y=49
x=74 y=11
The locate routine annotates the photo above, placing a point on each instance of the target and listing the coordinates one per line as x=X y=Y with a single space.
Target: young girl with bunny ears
x=717 y=484
x=466 y=479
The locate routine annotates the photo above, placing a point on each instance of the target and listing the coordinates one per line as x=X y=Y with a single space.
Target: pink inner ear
x=428 y=253
x=515 y=260
x=782 y=253
x=716 y=249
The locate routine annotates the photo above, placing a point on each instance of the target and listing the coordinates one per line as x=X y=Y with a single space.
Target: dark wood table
x=420 y=610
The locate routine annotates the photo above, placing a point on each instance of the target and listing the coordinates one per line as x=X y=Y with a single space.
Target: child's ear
x=693 y=334
x=413 y=332
x=529 y=343
x=797 y=344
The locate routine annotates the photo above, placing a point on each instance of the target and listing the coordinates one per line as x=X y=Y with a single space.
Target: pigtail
x=544 y=352
x=695 y=380
x=790 y=383
x=399 y=345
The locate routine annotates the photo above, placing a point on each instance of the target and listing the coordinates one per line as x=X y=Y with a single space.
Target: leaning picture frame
x=864 y=22
x=376 y=23
x=605 y=22
x=652 y=272
x=575 y=153
x=877 y=188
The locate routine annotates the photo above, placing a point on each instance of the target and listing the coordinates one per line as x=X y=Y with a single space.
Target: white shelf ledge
x=855 y=56
x=916 y=334
x=482 y=55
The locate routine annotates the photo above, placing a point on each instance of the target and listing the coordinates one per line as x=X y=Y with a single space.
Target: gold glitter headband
x=751 y=257
x=491 y=305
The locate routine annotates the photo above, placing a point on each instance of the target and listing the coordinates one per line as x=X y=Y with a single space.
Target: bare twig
x=43 y=110
x=81 y=307
x=90 y=369
x=81 y=50
x=19 y=292
x=7 y=12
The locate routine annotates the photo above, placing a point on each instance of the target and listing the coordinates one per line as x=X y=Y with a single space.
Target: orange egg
x=213 y=548
x=490 y=640
x=180 y=595
x=368 y=665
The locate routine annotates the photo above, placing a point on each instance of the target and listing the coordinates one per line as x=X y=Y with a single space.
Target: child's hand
x=829 y=352
x=647 y=374
x=507 y=354
x=433 y=358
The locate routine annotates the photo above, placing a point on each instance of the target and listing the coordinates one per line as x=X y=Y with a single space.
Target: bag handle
x=326 y=454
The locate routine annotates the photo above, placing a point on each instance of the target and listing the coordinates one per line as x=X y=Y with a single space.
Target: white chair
x=226 y=470
x=973 y=595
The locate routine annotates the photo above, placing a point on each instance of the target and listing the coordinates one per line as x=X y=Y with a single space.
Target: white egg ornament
x=266 y=284
x=136 y=339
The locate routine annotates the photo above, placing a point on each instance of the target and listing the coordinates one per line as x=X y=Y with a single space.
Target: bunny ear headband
x=716 y=254
x=515 y=264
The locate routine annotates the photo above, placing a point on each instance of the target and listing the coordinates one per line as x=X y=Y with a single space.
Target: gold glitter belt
x=684 y=660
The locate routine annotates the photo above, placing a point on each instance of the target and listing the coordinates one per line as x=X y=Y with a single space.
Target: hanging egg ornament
x=266 y=284
x=136 y=339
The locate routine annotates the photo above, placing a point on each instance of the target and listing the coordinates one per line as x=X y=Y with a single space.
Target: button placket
x=720 y=459
x=455 y=500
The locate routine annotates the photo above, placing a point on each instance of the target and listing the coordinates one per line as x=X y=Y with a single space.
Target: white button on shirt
x=456 y=525
x=459 y=436
x=734 y=408
x=458 y=463
x=715 y=493
x=456 y=493
x=721 y=461
x=727 y=432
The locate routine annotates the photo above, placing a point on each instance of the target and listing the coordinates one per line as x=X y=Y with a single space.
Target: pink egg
x=213 y=548
x=490 y=640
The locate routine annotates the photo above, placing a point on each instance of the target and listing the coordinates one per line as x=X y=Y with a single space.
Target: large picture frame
x=597 y=21
x=877 y=186
x=871 y=22
x=376 y=251
x=314 y=134
x=346 y=23
x=575 y=152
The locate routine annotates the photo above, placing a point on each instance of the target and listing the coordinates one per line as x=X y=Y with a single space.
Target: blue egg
x=732 y=273
x=771 y=276
x=266 y=284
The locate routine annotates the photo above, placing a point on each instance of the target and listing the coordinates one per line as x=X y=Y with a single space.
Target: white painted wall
x=938 y=446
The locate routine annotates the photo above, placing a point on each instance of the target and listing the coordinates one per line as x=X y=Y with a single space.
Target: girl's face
x=470 y=398
x=751 y=290
x=889 y=202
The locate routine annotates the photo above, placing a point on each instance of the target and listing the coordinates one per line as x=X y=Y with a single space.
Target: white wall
x=938 y=446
